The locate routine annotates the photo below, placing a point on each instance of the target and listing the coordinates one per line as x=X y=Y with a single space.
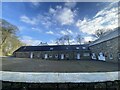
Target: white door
x=46 y=56
x=78 y=56
x=31 y=55
x=94 y=56
x=62 y=56
x=101 y=56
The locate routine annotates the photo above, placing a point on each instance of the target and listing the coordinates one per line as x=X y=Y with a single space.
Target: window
x=83 y=47
x=108 y=43
x=77 y=48
x=56 y=56
x=67 y=55
x=50 y=56
x=86 y=54
x=118 y=55
x=111 y=56
x=51 y=48
x=24 y=48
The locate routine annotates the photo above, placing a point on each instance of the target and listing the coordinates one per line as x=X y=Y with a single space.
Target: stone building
x=67 y=52
x=107 y=47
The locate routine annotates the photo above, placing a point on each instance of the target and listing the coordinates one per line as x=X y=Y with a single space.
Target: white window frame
x=110 y=56
x=50 y=56
x=83 y=47
x=51 y=48
x=94 y=56
x=77 y=47
x=86 y=54
x=56 y=56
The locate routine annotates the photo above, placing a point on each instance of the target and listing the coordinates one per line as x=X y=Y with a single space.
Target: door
x=62 y=56
x=46 y=56
x=101 y=56
x=78 y=56
x=94 y=56
x=31 y=55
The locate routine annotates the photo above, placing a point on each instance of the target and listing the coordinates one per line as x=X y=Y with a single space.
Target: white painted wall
x=39 y=77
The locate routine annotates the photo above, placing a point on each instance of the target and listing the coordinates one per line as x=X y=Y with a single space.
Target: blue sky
x=46 y=21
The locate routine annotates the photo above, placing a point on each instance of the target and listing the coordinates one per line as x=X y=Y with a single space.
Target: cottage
x=107 y=47
x=67 y=52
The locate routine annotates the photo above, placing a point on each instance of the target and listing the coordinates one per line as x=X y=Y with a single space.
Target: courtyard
x=38 y=65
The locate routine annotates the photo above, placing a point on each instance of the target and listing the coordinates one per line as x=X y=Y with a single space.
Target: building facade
x=107 y=47
x=58 y=52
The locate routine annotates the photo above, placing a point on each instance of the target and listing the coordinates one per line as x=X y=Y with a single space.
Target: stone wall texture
x=109 y=48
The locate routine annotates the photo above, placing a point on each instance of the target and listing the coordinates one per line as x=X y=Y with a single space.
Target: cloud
x=30 y=41
x=88 y=38
x=106 y=19
x=52 y=11
x=50 y=32
x=26 y=19
x=35 y=4
x=63 y=15
x=70 y=4
x=66 y=16
x=66 y=32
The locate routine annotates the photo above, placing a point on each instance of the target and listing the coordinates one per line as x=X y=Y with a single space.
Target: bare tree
x=99 y=33
x=67 y=38
x=79 y=38
x=57 y=41
x=61 y=41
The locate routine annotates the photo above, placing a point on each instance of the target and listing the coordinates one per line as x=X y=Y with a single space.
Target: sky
x=47 y=21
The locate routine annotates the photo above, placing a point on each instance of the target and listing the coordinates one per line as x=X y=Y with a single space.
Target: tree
x=99 y=33
x=67 y=38
x=79 y=38
x=9 y=40
x=61 y=40
x=6 y=30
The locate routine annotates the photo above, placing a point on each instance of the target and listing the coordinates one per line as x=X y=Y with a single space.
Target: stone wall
x=68 y=55
x=110 y=49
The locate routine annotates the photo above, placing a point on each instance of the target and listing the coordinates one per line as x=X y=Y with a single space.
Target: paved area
x=37 y=65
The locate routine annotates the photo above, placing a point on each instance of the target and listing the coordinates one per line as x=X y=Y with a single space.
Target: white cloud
x=66 y=16
x=26 y=19
x=30 y=41
x=50 y=32
x=63 y=15
x=88 y=38
x=70 y=4
x=52 y=11
x=66 y=32
x=36 y=4
x=105 y=19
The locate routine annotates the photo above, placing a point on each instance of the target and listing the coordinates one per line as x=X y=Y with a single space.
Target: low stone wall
x=114 y=85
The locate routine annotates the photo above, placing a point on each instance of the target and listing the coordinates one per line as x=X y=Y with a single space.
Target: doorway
x=78 y=56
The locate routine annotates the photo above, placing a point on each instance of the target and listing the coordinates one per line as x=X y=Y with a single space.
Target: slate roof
x=53 y=48
x=107 y=36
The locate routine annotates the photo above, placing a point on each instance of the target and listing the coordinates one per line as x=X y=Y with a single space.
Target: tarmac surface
x=37 y=65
